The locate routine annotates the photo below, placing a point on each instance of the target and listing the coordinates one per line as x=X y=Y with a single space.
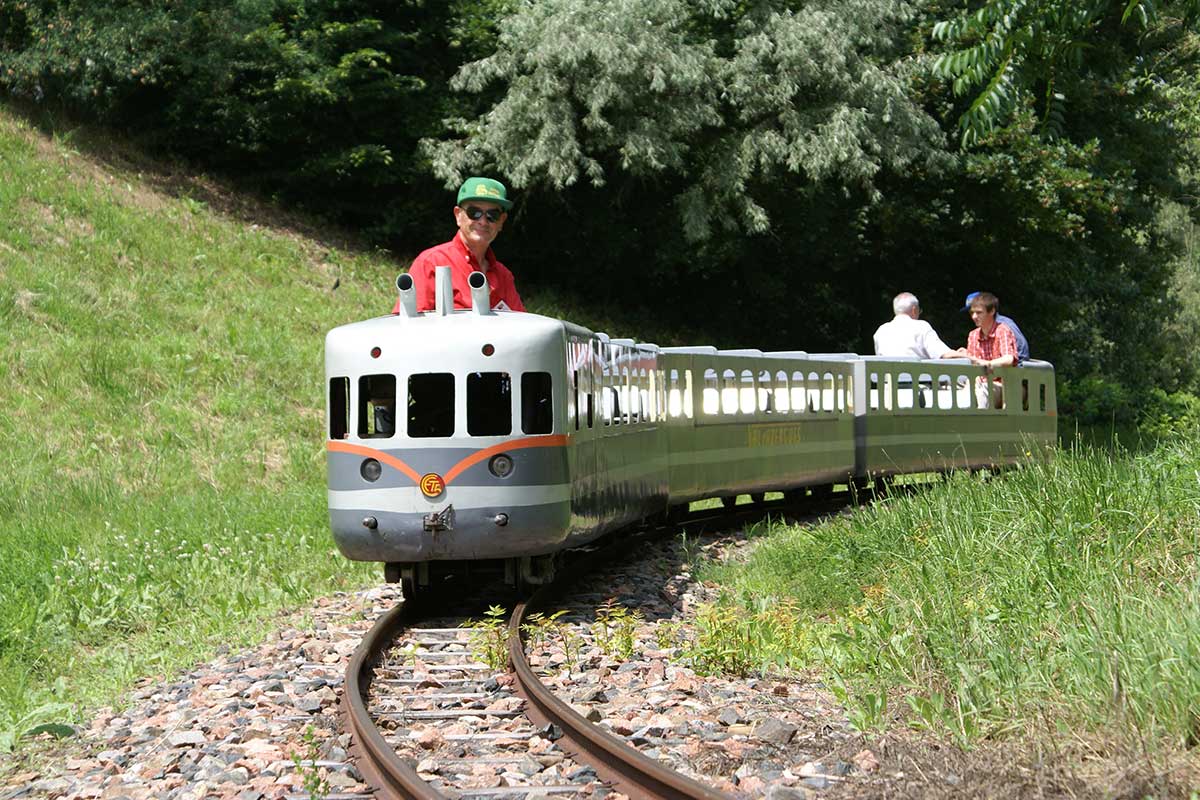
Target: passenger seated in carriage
x=992 y=344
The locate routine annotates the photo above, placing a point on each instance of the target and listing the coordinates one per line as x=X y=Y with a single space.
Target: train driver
x=480 y=212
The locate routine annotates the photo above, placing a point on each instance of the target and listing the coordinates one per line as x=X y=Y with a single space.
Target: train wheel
x=758 y=498
x=403 y=574
x=408 y=588
x=729 y=502
x=823 y=491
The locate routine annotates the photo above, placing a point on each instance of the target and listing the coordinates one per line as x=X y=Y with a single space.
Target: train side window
x=431 y=405
x=674 y=398
x=573 y=411
x=339 y=408
x=769 y=394
x=687 y=393
x=489 y=404
x=747 y=401
x=925 y=388
x=729 y=392
x=1042 y=394
x=781 y=399
x=537 y=406
x=629 y=395
x=711 y=394
x=814 y=391
x=799 y=403
x=376 y=406
x=1024 y=394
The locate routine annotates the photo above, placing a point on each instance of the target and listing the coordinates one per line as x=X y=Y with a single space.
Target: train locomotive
x=459 y=438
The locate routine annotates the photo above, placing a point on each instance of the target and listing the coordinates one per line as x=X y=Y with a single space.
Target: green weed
x=489 y=638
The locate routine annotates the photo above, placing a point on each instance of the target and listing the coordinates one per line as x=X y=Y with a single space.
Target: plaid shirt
x=1000 y=343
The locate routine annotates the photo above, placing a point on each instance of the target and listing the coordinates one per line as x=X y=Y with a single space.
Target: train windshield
x=431 y=405
x=489 y=404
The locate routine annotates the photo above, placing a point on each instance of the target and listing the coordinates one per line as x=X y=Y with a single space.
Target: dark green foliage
x=322 y=102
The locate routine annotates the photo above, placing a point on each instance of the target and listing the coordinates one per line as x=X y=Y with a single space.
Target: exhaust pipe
x=481 y=293
x=408 y=295
x=443 y=291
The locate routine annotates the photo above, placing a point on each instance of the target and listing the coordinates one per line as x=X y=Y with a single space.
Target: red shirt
x=1001 y=342
x=462 y=262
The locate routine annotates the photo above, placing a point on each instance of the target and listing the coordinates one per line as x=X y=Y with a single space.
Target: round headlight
x=501 y=466
x=371 y=470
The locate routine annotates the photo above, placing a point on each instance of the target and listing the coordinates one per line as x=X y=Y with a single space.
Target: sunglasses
x=492 y=214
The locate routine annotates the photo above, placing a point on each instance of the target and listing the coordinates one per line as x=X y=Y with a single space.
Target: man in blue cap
x=480 y=212
x=1022 y=344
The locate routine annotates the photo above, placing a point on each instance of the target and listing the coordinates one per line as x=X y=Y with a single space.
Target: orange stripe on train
x=463 y=464
x=379 y=455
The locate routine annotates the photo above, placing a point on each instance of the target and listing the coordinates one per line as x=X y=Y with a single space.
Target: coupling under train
x=458 y=438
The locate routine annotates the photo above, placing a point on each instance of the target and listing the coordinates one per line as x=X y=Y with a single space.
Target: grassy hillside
x=161 y=384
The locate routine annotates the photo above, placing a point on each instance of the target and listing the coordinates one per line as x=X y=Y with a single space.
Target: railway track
x=430 y=720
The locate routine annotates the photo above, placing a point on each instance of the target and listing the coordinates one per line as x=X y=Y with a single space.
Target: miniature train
x=458 y=437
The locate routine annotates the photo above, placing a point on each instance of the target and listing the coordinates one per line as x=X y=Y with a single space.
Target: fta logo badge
x=432 y=484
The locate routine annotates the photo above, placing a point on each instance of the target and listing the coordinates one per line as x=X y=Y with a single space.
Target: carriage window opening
x=747 y=402
x=431 y=405
x=612 y=407
x=687 y=394
x=873 y=391
x=339 y=408
x=489 y=404
x=796 y=394
x=813 y=392
x=729 y=392
x=779 y=393
x=925 y=391
x=376 y=406
x=840 y=391
x=1042 y=394
x=763 y=390
x=659 y=391
x=1024 y=394
x=649 y=407
x=711 y=397
x=629 y=396
x=575 y=394
x=537 y=408
x=662 y=395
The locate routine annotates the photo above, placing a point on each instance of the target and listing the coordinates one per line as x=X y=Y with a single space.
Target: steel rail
x=631 y=772
x=388 y=774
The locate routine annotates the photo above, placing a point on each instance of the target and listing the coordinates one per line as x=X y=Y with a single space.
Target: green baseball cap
x=487 y=189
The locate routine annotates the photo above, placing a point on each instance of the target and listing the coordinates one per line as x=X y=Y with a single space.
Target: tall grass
x=1065 y=593
x=162 y=480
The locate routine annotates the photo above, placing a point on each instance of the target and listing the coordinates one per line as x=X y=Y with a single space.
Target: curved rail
x=631 y=772
x=382 y=769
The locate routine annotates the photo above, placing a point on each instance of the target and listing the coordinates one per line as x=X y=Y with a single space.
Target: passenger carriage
x=463 y=437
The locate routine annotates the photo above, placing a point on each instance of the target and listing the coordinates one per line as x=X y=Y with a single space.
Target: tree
x=1007 y=50
x=735 y=99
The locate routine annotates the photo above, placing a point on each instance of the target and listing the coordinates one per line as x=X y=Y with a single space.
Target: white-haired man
x=909 y=335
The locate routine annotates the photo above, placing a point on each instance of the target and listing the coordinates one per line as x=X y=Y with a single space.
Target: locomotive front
x=445 y=438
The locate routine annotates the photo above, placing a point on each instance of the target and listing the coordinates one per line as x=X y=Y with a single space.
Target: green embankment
x=161 y=407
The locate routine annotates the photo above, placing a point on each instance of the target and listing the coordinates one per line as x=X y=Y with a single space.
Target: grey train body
x=473 y=435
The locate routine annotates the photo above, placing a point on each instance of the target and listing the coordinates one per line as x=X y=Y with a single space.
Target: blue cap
x=970 y=297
